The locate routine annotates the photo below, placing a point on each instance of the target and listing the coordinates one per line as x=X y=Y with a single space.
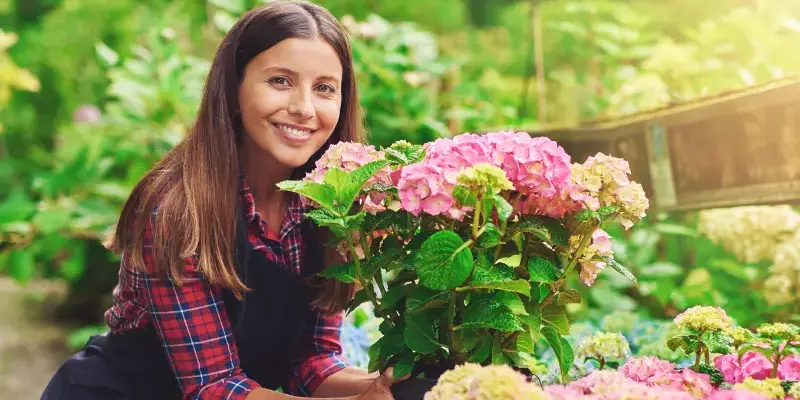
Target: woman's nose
x=300 y=104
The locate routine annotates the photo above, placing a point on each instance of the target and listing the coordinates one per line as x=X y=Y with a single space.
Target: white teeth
x=300 y=133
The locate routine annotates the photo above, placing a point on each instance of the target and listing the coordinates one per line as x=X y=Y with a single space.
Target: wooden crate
x=739 y=148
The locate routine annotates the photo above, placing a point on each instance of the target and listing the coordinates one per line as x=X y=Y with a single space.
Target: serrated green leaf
x=555 y=316
x=464 y=196
x=423 y=298
x=620 y=268
x=338 y=179
x=719 y=342
x=492 y=274
x=504 y=209
x=558 y=234
x=358 y=179
x=483 y=351
x=570 y=296
x=487 y=313
x=393 y=295
x=607 y=212
x=686 y=342
x=510 y=300
x=535 y=227
x=490 y=237
x=376 y=361
x=404 y=366
x=321 y=193
x=359 y=298
x=498 y=358
x=520 y=286
x=525 y=342
x=561 y=349
x=442 y=263
x=392 y=344
x=342 y=272
x=419 y=334
x=404 y=153
x=542 y=270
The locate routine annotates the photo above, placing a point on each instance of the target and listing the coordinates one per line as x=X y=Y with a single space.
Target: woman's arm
x=348 y=381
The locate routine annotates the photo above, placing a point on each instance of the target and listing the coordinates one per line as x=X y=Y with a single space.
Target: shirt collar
x=295 y=210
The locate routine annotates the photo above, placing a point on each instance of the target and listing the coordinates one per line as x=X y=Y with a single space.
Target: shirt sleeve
x=319 y=356
x=196 y=334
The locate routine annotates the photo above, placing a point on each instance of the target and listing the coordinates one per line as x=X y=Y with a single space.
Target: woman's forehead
x=306 y=57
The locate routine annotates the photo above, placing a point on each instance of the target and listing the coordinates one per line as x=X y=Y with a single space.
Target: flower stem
x=451 y=314
x=360 y=278
x=602 y=361
x=476 y=219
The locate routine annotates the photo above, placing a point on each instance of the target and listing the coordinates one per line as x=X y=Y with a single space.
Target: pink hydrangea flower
x=642 y=369
x=696 y=384
x=789 y=368
x=728 y=364
x=590 y=264
x=738 y=394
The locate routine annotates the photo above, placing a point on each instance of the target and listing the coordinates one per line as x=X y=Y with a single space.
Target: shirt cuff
x=236 y=387
x=309 y=374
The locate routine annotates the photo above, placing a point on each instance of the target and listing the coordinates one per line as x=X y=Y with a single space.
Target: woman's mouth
x=295 y=132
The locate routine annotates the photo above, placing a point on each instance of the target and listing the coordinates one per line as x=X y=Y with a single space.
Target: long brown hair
x=195 y=186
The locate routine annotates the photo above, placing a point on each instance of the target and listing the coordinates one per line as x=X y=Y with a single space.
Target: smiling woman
x=218 y=294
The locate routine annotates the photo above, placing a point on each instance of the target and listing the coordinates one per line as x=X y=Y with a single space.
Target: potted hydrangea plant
x=464 y=246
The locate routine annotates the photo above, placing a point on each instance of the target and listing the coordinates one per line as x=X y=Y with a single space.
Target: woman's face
x=290 y=99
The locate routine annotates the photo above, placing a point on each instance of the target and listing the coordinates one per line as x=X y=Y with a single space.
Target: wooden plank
x=741 y=148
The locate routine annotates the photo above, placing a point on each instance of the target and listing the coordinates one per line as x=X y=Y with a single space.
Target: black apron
x=267 y=326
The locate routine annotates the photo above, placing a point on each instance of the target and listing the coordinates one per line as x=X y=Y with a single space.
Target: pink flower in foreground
x=755 y=365
x=590 y=263
x=642 y=369
x=789 y=368
x=696 y=384
x=728 y=364
x=738 y=394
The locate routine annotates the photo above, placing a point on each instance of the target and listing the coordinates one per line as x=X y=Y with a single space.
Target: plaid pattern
x=193 y=324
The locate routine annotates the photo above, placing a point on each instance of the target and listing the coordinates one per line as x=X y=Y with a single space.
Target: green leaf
x=359 y=298
x=392 y=344
x=686 y=342
x=404 y=366
x=376 y=360
x=520 y=286
x=487 y=313
x=490 y=236
x=504 y=209
x=498 y=358
x=508 y=299
x=525 y=342
x=556 y=317
x=404 y=153
x=464 y=196
x=338 y=179
x=719 y=342
x=52 y=220
x=340 y=225
x=492 y=274
x=570 y=296
x=483 y=351
x=534 y=226
x=443 y=263
x=17 y=207
x=561 y=349
x=620 y=268
x=713 y=373
x=358 y=179
x=612 y=364
x=558 y=234
x=342 y=272
x=542 y=270
x=21 y=265
x=607 y=212
x=323 y=194
x=424 y=298
x=419 y=334
x=393 y=295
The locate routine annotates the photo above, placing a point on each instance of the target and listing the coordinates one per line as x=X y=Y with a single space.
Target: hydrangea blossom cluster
x=350 y=156
x=782 y=287
x=605 y=346
x=751 y=233
x=755 y=365
x=770 y=388
x=474 y=382
x=591 y=261
x=605 y=182
x=704 y=318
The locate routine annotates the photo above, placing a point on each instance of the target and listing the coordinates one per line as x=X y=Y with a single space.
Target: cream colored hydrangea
x=751 y=233
x=704 y=318
x=739 y=335
x=782 y=287
x=606 y=345
x=794 y=391
x=474 y=382
x=777 y=330
x=483 y=175
x=769 y=388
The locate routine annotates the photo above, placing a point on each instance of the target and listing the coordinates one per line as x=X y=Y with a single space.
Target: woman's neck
x=263 y=174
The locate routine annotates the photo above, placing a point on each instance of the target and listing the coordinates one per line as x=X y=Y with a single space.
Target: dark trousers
x=87 y=375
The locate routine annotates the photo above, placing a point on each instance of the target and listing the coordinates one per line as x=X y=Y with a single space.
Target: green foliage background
x=461 y=65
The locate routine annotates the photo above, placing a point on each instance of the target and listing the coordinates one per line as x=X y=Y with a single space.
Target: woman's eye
x=279 y=80
x=326 y=88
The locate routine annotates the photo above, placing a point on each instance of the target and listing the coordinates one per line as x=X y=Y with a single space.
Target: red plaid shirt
x=194 y=326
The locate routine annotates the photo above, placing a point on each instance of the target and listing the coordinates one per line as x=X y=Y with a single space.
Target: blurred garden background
x=93 y=92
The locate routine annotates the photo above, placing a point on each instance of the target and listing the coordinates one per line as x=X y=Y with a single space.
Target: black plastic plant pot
x=412 y=388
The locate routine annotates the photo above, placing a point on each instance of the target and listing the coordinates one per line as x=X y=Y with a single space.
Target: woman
x=217 y=297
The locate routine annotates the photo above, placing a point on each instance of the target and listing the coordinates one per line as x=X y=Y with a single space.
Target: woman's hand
x=381 y=387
